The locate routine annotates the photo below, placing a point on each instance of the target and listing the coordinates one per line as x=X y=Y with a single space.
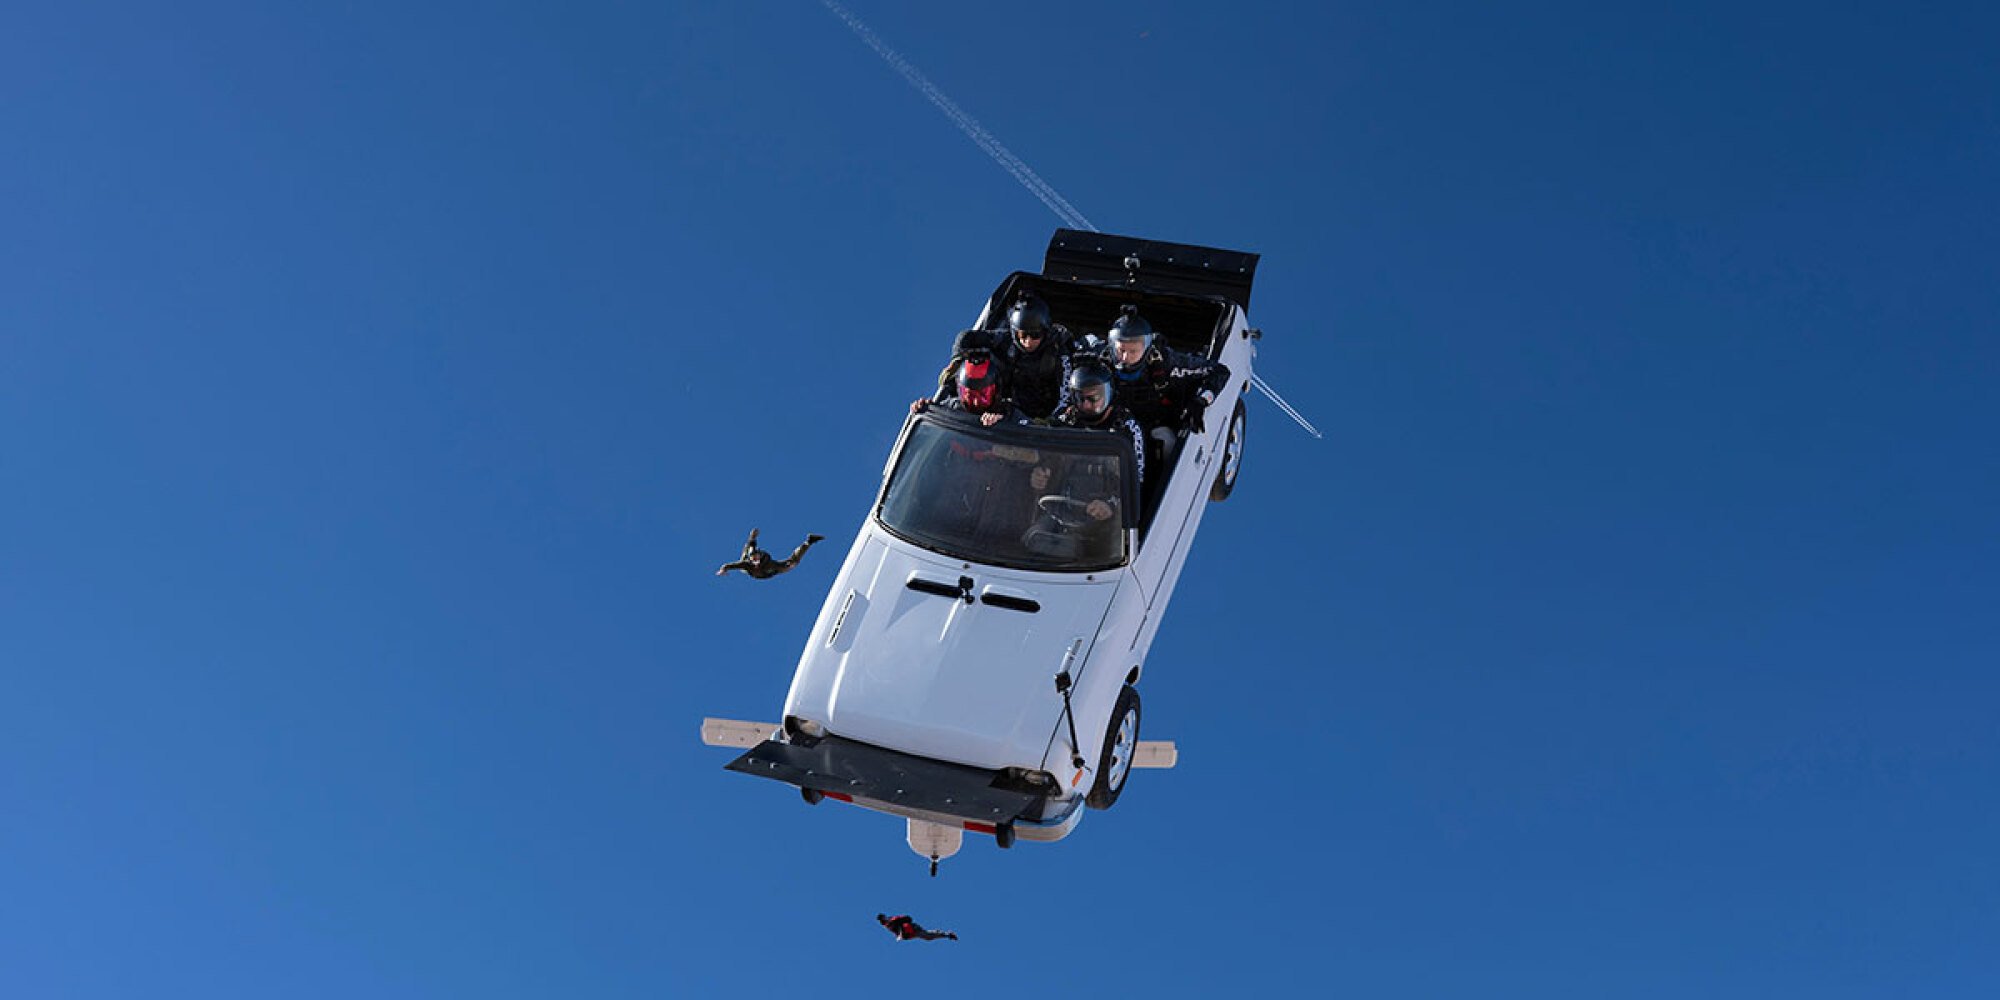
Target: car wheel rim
x=1232 y=453
x=1123 y=745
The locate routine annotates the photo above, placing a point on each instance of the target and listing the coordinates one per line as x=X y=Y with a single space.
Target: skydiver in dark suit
x=758 y=563
x=906 y=929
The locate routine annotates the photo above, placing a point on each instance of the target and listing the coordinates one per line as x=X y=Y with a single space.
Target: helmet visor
x=1094 y=399
x=978 y=381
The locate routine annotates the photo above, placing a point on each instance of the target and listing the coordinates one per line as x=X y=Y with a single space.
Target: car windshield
x=1026 y=507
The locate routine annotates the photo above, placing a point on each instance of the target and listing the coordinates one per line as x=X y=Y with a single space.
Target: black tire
x=1112 y=769
x=1232 y=455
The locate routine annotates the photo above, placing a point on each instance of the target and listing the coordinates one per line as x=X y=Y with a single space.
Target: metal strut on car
x=1063 y=684
x=1069 y=716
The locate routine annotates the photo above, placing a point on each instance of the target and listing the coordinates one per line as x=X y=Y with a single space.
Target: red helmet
x=979 y=382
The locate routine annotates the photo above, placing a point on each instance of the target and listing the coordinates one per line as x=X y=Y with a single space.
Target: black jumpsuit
x=1166 y=385
x=1120 y=421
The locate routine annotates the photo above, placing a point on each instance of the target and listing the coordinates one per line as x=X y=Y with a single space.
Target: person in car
x=1093 y=405
x=1092 y=482
x=1035 y=353
x=979 y=391
x=971 y=486
x=906 y=929
x=976 y=345
x=1164 y=388
x=758 y=563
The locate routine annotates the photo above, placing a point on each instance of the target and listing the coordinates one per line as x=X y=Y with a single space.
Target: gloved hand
x=1193 y=420
x=1195 y=410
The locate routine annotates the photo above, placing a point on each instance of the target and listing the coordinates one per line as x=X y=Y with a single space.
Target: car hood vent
x=1011 y=603
x=923 y=585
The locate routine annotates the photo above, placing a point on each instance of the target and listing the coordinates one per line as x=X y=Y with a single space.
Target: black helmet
x=1029 y=315
x=1129 y=327
x=971 y=343
x=1090 y=387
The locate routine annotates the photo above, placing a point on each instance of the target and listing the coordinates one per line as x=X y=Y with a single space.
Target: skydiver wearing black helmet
x=1093 y=405
x=1037 y=352
x=1089 y=484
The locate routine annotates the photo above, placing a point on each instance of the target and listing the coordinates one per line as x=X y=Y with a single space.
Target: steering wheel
x=1067 y=511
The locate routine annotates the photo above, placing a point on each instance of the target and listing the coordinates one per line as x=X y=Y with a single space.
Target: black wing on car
x=1152 y=266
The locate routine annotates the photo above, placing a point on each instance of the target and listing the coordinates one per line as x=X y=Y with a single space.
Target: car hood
x=933 y=674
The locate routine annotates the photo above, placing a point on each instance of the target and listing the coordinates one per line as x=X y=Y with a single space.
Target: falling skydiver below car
x=977 y=661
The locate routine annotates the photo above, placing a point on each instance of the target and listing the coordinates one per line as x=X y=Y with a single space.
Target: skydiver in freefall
x=906 y=929
x=758 y=563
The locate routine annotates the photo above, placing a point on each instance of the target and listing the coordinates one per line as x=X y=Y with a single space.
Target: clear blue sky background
x=380 y=385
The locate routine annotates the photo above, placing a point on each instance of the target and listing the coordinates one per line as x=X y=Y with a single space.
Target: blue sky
x=379 y=388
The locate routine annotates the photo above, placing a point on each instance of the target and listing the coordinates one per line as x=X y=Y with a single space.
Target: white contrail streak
x=1258 y=381
x=973 y=130
x=1007 y=160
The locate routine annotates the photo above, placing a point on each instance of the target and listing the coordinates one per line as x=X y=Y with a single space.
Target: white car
x=977 y=663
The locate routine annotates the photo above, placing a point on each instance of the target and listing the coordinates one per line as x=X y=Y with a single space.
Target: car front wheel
x=1121 y=742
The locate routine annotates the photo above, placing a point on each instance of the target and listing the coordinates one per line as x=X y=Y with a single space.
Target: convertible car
x=978 y=661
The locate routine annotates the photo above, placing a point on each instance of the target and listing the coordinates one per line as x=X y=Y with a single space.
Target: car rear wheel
x=1232 y=456
x=1121 y=742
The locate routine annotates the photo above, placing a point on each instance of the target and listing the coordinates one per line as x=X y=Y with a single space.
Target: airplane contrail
x=965 y=122
x=1007 y=160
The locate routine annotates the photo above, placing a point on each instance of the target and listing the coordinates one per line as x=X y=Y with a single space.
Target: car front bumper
x=890 y=780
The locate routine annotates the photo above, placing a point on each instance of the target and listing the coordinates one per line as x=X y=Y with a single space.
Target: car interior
x=1192 y=324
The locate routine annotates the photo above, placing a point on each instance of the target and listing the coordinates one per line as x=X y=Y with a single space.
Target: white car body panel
x=919 y=673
